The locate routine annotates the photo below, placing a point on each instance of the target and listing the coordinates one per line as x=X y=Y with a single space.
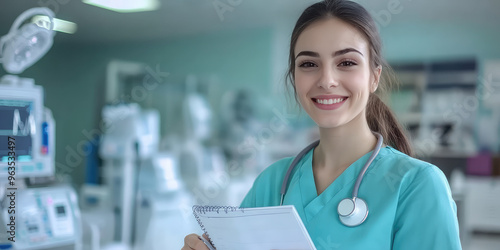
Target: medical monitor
x=26 y=130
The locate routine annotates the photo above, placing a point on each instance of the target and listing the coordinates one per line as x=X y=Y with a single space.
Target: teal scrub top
x=409 y=201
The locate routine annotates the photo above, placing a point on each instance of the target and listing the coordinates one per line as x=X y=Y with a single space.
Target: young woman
x=335 y=69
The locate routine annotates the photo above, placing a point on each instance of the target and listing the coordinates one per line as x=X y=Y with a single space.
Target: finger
x=188 y=241
x=193 y=241
x=206 y=237
x=207 y=242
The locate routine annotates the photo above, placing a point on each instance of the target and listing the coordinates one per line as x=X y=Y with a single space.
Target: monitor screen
x=61 y=211
x=17 y=121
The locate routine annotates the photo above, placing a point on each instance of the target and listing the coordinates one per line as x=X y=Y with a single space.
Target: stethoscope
x=352 y=211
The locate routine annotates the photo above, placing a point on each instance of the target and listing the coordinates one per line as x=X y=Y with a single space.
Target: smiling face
x=333 y=79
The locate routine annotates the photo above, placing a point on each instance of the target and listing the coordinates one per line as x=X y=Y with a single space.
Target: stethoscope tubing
x=361 y=174
x=380 y=141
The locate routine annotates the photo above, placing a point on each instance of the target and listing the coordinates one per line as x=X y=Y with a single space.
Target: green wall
x=426 y=40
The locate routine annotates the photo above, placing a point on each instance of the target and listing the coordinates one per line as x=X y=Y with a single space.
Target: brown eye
x=347 y=63
x=307 y=65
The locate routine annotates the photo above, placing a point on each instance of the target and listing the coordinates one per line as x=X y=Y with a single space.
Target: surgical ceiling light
x=25 y=45
x=125 y=6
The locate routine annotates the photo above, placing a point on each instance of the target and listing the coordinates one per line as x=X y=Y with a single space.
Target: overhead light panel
x=126 y=6
x=59 y=24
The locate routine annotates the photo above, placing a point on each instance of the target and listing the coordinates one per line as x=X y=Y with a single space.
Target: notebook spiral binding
x=197 y=209
x=217 y=209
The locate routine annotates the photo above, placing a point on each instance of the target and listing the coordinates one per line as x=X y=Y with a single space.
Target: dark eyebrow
x=336 y=53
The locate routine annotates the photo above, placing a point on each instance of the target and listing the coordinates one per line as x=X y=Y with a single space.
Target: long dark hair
x=379 y=116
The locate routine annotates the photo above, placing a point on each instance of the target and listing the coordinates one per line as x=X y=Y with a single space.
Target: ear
x=377 y=73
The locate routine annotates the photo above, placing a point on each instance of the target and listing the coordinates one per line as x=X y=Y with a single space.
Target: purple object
x=479 y=164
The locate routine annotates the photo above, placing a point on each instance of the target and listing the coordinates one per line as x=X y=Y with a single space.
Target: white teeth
x=330 y=101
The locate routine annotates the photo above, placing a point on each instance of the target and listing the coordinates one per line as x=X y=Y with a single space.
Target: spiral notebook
x=230 y=228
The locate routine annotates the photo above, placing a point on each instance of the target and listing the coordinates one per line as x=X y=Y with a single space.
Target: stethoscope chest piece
x=352 y=211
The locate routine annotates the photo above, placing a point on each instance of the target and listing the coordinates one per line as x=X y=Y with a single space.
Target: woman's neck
x=340 y=147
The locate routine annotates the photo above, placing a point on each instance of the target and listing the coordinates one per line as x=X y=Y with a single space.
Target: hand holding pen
x=196 y=242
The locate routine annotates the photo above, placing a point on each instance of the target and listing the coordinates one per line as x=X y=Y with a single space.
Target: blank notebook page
x=253 y=228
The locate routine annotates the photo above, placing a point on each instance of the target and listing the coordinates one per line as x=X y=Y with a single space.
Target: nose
x=327 y=80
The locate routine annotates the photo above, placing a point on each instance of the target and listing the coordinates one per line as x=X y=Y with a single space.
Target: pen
x=207 y=243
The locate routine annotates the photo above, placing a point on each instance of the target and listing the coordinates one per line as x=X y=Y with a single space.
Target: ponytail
x=382 y=120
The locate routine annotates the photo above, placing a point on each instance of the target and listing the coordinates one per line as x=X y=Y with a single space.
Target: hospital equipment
x=43 y=217
x=24 y=117
x=194 y=156
x=25 y=45
x=438 y=103
x=129 y=138
x=147 y=194
x=163 y=204
x=201 y=163
x=352 y=211
x=196 y=112
x=239 y=123
x=48 y=217
x=481 y=205
x=489 y=125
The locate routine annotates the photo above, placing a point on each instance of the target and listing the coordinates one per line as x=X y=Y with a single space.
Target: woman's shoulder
x=423 y=197
x=407 y=171
x=394 y=159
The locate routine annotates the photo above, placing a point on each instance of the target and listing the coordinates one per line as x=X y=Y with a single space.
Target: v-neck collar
x=314 y=203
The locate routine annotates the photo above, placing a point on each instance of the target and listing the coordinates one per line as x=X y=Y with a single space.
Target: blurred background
x=154 y=106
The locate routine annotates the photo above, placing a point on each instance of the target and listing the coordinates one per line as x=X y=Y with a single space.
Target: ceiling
x=186 y=17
